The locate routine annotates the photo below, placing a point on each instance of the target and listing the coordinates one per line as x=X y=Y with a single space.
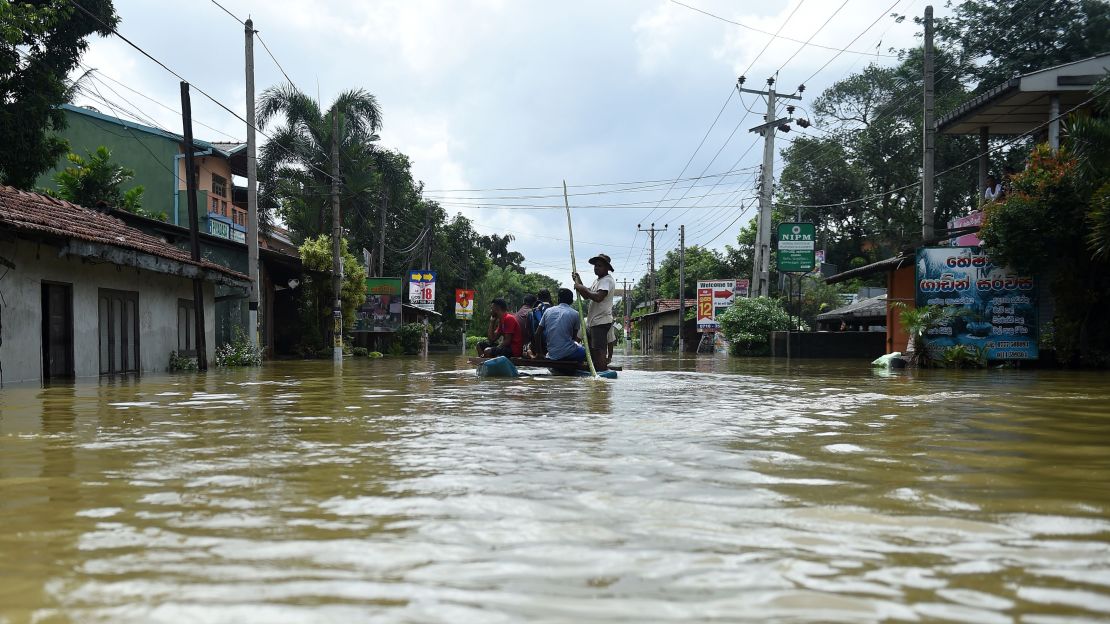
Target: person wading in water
x=600 y=317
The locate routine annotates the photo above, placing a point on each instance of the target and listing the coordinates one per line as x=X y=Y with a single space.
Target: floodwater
x=714 y=489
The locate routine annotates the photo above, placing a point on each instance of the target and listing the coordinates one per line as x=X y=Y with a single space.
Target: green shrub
x=964 y=356
x=748 y=324
x=360 y=352
x=409 y=336
x=324 y=353
x=472 y=342
x=181 y=362
x=375 y=355
x=238 y=352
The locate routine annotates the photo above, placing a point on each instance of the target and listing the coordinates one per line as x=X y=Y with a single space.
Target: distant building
x=84 y=294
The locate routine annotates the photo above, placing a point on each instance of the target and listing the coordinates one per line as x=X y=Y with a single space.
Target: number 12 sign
x=422 y=288
x=705 y=317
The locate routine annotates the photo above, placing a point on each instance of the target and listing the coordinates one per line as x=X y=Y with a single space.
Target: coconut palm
x=294 y=166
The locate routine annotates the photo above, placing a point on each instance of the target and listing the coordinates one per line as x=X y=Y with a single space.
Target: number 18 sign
x=422 y=288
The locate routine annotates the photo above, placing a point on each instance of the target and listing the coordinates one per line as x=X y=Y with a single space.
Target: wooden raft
x=566 y=365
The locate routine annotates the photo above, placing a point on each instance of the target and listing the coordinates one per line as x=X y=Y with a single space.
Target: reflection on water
x=412 y=491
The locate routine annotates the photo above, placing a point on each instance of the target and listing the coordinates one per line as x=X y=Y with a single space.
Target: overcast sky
x=490 y=94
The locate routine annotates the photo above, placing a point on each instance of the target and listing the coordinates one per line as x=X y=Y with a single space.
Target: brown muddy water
x=717 y=489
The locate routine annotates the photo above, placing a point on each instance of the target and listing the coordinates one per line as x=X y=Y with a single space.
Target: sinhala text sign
x=795 y=247
x=998 y=308
x=714 y=296
x=422 y=288
x=381 y=311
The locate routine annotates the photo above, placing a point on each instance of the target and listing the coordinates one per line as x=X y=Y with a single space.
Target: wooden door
x=57 y=331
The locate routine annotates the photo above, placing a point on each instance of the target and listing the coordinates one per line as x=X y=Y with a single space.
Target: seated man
x=559 y=330
x=504 y=328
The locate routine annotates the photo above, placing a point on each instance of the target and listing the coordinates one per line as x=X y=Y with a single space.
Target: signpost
x=997 y=309
x=381 y=311
x=796 y=242
x=422 y=288
x=464 y=304
x=714 y=296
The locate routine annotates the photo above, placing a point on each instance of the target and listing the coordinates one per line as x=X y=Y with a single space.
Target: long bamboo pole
x=578 y=297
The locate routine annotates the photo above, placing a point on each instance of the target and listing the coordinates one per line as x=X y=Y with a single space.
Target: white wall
x=21 y=351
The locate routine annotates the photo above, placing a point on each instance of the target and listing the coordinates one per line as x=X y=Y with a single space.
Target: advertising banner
x=796 y=242
x=381 y=312
x=714 y=296
x=997 y=308
x=967 y=240
x=422 y=288
x=464 y=304
x=741 y=289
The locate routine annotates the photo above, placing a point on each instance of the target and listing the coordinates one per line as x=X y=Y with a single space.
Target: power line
x=815 y=33
x=815 y=45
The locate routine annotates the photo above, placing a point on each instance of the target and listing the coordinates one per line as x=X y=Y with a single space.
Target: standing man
x=600 y=317
x=504 y=328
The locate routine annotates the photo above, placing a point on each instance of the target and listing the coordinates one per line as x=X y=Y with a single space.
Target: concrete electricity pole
x=652 y=231
x=681 y=286
x=252 y=191
x=201 y=341
x=336 y=233
x=761 y=259
x=930 y=130
x=381 y=239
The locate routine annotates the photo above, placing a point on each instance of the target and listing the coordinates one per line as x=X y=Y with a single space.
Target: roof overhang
x=1022 y=104
x=148 y=262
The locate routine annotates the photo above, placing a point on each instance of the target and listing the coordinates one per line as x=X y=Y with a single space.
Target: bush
x=360 y=352
x=472 y=342
x=238 y=352
x=373 y=355
x=324 y=353
x=749 y=322
x=964 y=356
x=409 y=336
x=181 y=362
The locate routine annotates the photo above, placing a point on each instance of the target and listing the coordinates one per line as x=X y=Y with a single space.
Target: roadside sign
x=741 y=289
x=464 y=304
x=796 y=242
x=714 y=296
x=381 y=311
x=422 y=288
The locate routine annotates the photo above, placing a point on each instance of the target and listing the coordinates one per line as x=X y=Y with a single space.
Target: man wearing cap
x=600 y=317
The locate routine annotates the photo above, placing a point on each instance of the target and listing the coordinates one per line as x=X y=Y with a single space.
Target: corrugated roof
x=27 y=212
x=864 y=308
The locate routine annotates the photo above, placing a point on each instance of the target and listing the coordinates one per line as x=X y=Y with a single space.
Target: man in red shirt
x=505 y=328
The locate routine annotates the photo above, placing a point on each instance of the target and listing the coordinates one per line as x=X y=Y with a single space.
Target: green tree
x=89 y=182
x=498 y=248
x=701 y=264
x=748 y=324
x=42 y=43
x=510 y=285
x=316 y=291
x=998 y=39
x=294 y=166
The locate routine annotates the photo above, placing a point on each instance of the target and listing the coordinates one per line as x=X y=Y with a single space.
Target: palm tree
x=294 y=166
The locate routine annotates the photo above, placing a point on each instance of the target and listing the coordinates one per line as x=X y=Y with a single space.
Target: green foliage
x=963 y=356
x=181 y=362
x=915 y=322
x=360 y=352
x=238 y=352
x=409 y=338
x=749 y=322
x=316 y=256
x=509 y=284
x=472 y=342
x=498 y=248
x=701 y=264
x=325 y=353
x=90 y=181
x=42 y=42
x=374 y=355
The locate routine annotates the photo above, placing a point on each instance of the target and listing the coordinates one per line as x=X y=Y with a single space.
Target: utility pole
x=681 y=287
x=336 y=233
x=930 y=130
x=761 y=259
x=652 y=231
x=427 y=264
x=252 y=191
x=194 y=223
x=381 y=237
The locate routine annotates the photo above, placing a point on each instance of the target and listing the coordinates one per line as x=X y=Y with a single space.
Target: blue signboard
x=998 y=309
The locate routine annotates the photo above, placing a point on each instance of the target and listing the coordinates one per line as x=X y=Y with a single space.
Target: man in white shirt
x=993 y=191
x=600 y=317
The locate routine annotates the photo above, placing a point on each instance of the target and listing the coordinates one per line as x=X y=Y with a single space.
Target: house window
x=223 y=209
x=186 y=328
x=219 y=186
x=118 y=326
x=215 y=206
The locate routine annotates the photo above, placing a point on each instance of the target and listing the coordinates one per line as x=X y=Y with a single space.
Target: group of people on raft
x=543 y=329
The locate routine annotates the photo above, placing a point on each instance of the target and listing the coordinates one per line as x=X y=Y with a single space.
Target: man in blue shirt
x=559 y=330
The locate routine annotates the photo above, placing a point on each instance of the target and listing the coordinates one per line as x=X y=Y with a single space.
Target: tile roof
x=36 y=213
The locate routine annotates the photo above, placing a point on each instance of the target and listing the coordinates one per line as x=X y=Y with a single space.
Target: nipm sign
x=796 y=247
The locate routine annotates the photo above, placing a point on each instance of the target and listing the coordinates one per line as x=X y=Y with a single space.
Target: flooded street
x=717 y=489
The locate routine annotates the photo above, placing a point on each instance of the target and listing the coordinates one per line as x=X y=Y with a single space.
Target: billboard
x=997 y=308
x=422 y=288
x=714 y=296
x=381 y=311
x=967 y=240
x=742 y=286
x=464 y=304
x=796 y=242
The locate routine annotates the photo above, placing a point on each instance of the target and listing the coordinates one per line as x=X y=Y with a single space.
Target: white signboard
x=713 y=296
x=422 y=288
